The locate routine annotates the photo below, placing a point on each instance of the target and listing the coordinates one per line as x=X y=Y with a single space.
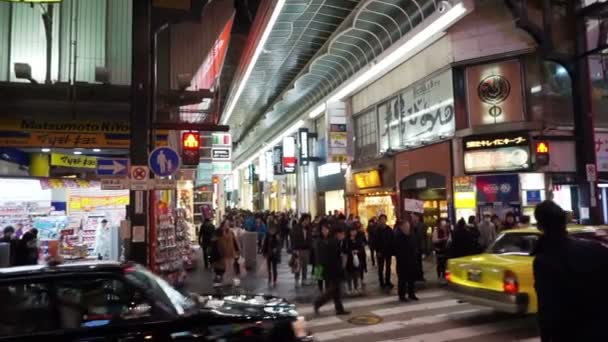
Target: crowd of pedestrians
x=22 y=245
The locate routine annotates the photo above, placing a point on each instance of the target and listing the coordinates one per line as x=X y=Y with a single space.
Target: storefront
x=427 y=180
x=372 y=192
x=330 y=188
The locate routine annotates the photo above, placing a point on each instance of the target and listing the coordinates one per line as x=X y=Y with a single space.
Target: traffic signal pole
x=142 y=64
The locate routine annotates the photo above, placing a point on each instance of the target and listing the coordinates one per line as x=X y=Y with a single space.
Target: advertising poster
x=498 y=189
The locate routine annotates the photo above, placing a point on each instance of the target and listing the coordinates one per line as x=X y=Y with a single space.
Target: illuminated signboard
x=303 y=133
x=289 y=155
x=498 y=141
x=497 y=153
x=368 y=179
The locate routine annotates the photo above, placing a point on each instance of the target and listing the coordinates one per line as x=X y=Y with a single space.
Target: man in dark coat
x=419 y=234
x=384 y=253
x=301 y=243
x=371 y=238
x=204 y=240
x=332 y=261
x=570 y=281
x=406 y=253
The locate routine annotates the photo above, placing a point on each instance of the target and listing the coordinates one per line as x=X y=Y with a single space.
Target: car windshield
x=160 y=287
x=514 y=244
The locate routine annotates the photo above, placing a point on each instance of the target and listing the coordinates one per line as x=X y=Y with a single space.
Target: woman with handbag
x=354 y=266
x=271 y=249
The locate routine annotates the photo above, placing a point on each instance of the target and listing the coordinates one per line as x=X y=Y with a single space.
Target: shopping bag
x=318 y=273
x=356 y=261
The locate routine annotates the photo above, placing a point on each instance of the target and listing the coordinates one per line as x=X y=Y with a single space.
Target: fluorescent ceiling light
x=256 y=54
x=96 y=150
x=408 y=46
x=320 y=109
x=46 y=150
x=77 y=152
x=536 y=89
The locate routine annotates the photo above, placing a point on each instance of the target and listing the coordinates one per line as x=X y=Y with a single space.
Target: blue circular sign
x=164 y=161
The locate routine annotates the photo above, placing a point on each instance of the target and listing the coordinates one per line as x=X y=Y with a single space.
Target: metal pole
x=583 y=123
x=141 y=108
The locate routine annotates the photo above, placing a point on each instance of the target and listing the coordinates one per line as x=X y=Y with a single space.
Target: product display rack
x=183 y=238
x=168 y=261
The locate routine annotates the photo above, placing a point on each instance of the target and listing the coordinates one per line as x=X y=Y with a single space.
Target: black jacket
x=384 y=240
x=464 y=243
x=206 y=234
x=372 y=236
x=330 y=258
x=272 y=247
x=570 y=280
x=406 y=252
x=298 y=241
x=352 y=248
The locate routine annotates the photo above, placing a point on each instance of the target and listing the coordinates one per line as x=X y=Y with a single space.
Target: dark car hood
x=248 y=307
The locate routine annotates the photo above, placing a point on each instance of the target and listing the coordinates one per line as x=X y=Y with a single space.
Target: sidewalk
x=256 y=281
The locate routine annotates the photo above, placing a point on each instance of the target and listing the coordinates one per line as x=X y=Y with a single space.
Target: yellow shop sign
x=67 y=160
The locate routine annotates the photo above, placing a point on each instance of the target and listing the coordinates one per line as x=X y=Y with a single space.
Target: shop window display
x=371 y=206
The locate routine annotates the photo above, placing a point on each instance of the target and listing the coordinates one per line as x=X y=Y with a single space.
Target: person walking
x=225 y=252
x=441 y=236
x=464 y=242
x=260 y=228
x=371 y=238
x=320 y=245
x=271 y=250
x=301 y=239
x=204 y=240
x=420 y=236
x=362 y=254
x=354 y=250
x=406 y=253
x=570 y=279
x=487 y=232
x=27 y=250
x=384 y=253
x=333 y=271
x=284 y=227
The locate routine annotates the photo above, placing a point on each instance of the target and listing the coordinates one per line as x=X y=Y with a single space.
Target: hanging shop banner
x=68 y=160
x=221 y=139
x=464 y=192
x=69 y=134
x=289 y=154
x=86 y=203
x=337 y=133
x=426 y=110
x=262 y=173
x=494 y=93
x=497 y=189
x=464 y=184
x=277 y=160
x=67 y=183
x=413 y=205
x=269 y=166
x=601 y=151
x=497 y=153
x=303 y=135
x=368 y=179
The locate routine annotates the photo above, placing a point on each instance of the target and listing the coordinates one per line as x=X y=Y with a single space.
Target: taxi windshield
x=514 y=244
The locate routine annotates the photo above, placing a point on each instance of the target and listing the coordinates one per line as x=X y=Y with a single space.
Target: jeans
x=333 y=290
x=384 y=269
x=271 y=264
x=303 y=256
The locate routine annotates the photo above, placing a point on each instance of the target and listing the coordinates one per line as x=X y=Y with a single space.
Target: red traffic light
x=542 y=147
x=191 y=141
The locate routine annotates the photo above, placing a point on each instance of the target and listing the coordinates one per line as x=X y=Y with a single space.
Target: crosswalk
x=436 y=317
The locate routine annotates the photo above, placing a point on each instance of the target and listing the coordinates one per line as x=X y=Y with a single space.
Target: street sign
x=112 y=166
x=591 y=172
x=220 y=153
x=165 y=184
x=164 y=161
x=115 y=184
x=139 y=177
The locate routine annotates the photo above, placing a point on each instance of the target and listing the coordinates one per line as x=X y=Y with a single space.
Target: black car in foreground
x=104 y=301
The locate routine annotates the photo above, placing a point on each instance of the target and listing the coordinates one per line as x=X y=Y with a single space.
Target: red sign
x=209 y=71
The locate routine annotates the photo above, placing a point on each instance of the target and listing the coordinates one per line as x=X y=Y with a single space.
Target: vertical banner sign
x=337 y=134
x=494 y=93
x=269 y=166
x=262 y=173
x=277 y=160
x=303 y=134
x=289 y=155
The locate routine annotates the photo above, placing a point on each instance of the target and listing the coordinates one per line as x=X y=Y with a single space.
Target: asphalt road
x=379 y=316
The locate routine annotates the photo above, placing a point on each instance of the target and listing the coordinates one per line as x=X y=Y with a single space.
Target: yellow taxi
x=502 y=277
